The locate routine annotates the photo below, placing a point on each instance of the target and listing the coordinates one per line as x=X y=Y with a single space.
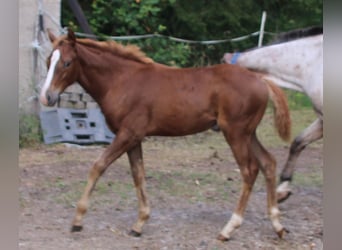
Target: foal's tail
x=282 y=119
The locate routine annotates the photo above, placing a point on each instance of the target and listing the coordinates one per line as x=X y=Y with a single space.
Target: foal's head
x=63 y=67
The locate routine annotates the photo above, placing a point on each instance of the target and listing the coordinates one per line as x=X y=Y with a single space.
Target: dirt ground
x=193 y=185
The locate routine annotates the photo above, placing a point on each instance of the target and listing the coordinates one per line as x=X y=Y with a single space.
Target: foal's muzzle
x=49 y=99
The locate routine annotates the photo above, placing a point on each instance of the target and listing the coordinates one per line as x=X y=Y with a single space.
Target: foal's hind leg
x=309 y=135
x=138 y=173
x=121 y=144
x=241 y=149
x=267 y=165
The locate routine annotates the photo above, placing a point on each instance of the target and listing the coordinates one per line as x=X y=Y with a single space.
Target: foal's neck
x=102 y=70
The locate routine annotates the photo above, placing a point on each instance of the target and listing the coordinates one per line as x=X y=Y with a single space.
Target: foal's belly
x=181 y=125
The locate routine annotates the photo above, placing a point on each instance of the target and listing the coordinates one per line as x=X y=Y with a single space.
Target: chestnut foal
x=139 y=98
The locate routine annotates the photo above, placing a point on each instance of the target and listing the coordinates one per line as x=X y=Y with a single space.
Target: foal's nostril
x=51 y=99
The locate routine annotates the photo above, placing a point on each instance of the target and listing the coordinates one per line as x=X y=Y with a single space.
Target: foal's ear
x=71 y=36
x=52 y=37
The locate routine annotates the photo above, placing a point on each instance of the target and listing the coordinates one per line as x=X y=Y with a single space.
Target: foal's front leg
x=121 y=144
x=138 y=173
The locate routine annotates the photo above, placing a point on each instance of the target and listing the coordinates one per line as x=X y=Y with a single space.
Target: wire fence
x=41 y=47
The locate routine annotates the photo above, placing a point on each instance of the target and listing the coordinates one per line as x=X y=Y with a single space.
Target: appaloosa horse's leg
x=267 y=164
x=138 y=173
x=121 y=144
x=310 y=134
x=241 y=149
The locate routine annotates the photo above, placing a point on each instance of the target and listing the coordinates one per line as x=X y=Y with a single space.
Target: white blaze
x=54 y=60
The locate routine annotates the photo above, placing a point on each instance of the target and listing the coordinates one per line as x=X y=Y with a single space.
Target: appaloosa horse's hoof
x=134 y=233
x=283 y=196
x=75 y=228
x=283 y=191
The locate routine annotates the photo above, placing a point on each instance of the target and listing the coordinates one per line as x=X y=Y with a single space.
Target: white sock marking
x=234 y=222
x=274 y=214
x=283 y=187
x=54 y=60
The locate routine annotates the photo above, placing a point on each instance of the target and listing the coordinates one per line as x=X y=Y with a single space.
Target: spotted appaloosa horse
x=141 y=98
x=296 y=65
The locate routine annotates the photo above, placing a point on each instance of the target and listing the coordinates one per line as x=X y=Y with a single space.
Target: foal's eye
x=67 y=64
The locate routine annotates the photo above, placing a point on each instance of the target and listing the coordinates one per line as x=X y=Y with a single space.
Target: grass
x=300 y=120
x=309 y=179
x=29 y=131
x=68 y=193
x=185 y=184
x=297 y=100
x=193 y=186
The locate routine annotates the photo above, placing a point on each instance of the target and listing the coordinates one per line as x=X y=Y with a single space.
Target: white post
x=262 y=27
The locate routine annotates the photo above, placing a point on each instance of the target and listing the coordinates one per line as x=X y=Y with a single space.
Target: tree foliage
x=195 y=20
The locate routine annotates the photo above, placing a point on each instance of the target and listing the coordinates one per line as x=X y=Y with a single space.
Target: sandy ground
x=193 y=185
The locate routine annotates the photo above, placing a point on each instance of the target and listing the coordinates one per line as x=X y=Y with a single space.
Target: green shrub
x=30 y=133
x=297 y=100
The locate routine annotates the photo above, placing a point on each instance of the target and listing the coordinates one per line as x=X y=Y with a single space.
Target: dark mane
x=296 y=34
x=131 y=52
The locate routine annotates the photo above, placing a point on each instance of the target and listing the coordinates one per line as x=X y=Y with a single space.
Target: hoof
x=282 y=233
x=220 y=237
x=283 y=191
x=134 y=233
x=281 y=197
x=75 y=228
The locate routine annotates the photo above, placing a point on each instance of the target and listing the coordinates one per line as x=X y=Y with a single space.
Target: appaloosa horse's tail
x=282 y=119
